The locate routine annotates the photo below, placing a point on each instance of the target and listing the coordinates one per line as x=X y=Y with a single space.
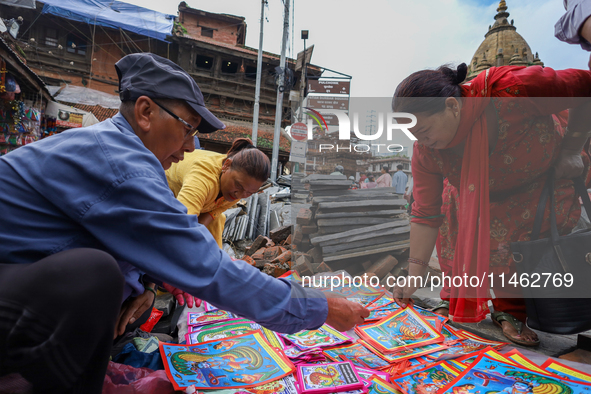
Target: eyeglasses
x=192 y=130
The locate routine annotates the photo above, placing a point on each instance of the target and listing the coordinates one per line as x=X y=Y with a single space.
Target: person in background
x=372 y=183
x=385 y=180
x=96 y=222
x=209 y=183
x=362 y=177
x=338 y=170
x=399 y=180
x=354 y=185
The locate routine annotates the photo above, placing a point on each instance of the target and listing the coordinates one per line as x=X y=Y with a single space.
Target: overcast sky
x=380 y=42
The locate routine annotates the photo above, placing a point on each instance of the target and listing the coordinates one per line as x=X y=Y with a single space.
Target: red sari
x=489 y=201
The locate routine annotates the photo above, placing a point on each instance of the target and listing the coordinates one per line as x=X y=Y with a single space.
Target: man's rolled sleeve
x=568 y=26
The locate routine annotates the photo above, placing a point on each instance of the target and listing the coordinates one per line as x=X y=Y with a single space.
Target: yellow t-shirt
x=195 y=182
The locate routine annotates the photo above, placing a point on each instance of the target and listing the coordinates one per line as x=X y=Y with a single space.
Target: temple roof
x=502 y=46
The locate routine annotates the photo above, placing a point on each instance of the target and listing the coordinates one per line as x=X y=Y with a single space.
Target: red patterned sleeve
x=427 y=190
x=562 y=89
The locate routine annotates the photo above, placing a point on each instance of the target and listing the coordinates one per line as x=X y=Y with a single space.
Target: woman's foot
x=514 y=330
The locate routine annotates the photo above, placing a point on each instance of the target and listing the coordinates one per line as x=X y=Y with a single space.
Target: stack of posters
x=399 y=350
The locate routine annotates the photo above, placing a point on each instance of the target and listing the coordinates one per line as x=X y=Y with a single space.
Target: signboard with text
x=69 y=119
x=329 y=102
x=332 y=87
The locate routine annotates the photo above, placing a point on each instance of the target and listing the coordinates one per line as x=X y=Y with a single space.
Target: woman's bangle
x=417 y=261
x=151 y=289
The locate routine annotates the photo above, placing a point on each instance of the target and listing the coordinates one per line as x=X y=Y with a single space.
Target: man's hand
x=344 y=314
x=181 y=296
x=569 y=164
x=132 y=309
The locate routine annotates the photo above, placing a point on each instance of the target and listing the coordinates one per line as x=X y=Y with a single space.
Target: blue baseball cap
x=146 y=74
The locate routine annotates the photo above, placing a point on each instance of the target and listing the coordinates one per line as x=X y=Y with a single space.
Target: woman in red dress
x=482 y=154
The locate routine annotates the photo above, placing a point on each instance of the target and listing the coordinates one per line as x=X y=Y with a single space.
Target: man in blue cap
x=88 y=221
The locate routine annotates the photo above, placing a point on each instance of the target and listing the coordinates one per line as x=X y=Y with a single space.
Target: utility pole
x=257 y=94
x=280 y=89
x=304 y=76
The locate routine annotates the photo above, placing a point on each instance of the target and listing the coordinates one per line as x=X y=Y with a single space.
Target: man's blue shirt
x=100 y=187
x=399 y=181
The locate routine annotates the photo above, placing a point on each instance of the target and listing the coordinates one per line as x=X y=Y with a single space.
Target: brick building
x=70 y=48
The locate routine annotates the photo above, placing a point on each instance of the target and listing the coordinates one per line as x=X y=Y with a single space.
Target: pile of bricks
x=273 y=254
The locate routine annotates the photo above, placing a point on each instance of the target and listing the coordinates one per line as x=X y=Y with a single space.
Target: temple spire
x=502 y=6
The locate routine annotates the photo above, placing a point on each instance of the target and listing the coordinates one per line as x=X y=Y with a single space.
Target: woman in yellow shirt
x=208 y=183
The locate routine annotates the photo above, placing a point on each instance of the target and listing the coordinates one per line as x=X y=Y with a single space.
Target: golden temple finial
x=502 y=6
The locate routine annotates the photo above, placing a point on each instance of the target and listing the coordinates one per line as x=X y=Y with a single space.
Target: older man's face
x=169 y=138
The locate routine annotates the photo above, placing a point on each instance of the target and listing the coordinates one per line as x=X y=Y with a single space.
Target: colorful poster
x=292 y=276
x=565 y=372
x=358 y=354
x=230 y=328
x=407 y=353
x=235 y=362
x=365 y=373
x=196 y=319
x=356 y=292
x=488 y=375
x=351 y=350
x=458 y=349
x=402 y=330
x=208 y=307
x=450 y=334
x=328 y=378
x=380 y=386
x=287 y=385
x=325 y=336
x=428 y=379
x=382 y=312
x=381 y=302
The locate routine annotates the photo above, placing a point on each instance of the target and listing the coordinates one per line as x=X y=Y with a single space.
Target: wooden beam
x=387 y=213
x=361 y=252
x=373 y=203
x=366 y=236
x=351 y=221
x=383 y=239
x=369 y=229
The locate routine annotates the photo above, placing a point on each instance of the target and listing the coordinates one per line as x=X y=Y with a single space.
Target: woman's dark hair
x=385 y=168
x=371 y=178
x=425 y=91
x=246 y=157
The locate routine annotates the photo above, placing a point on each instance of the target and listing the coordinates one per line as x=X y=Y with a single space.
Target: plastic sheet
x=124 y=379
x=113 y=13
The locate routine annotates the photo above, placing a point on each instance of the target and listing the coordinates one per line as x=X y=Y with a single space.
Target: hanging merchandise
x=20 y=122
x=2 y=76
x=12 y=87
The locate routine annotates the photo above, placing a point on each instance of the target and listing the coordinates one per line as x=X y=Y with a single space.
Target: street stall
x=23 y=99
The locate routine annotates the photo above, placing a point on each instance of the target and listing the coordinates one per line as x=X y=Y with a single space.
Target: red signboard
x=299 y=131
x=68 y=119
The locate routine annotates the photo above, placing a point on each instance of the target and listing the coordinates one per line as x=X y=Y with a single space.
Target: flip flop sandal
x=442 y=304
x=499 y=317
